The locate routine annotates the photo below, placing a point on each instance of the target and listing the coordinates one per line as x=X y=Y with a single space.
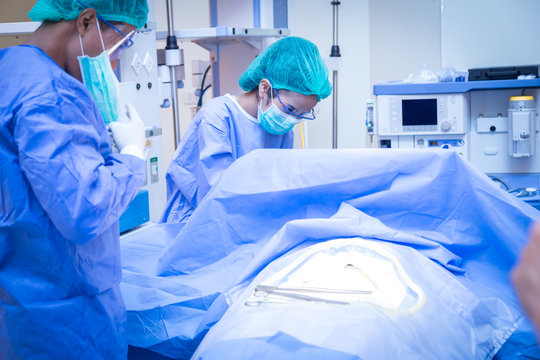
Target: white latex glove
x=129 y=133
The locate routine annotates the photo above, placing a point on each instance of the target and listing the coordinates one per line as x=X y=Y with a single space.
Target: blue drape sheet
x=455 y=231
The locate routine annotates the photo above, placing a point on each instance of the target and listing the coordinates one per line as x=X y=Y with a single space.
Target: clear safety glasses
x=309 y=115
x=125 y=42
x=122 y=44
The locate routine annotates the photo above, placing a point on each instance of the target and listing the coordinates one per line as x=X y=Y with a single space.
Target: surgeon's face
x=291 y=101
x=89 y=32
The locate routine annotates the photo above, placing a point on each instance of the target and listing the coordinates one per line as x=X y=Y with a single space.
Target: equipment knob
x=446 y=126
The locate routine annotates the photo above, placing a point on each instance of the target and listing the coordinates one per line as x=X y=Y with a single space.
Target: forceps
x=264 y=291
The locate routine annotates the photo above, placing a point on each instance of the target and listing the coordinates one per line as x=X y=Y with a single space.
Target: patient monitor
x=493 y=124
x=423 y=114
x=423 y=121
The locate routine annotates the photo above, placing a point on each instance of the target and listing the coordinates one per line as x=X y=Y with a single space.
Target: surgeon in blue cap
x=283 y=85
x=62 y=189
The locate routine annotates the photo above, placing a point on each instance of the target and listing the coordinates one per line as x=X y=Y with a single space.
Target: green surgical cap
x=291 y=63
x=133 y=12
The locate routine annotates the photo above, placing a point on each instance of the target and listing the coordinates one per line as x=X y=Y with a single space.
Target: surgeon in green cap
x=283 y=85
x=62 y=189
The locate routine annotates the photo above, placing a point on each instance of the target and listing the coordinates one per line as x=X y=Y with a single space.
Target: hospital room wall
x=465 y=34
x=484 y=33
x=404 y=36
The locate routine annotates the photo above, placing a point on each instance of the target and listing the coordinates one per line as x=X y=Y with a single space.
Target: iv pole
x=335 y=53
x=173 y=59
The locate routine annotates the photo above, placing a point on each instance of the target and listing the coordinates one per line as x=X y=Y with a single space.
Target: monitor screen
x=419 y=112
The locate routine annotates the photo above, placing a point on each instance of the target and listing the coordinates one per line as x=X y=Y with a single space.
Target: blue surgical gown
x=221 y=132
x=61 y=194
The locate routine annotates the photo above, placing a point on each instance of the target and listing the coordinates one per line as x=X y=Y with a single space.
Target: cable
x=202 y=94
x=204 y=77
x=203 y=89
x=501 y=181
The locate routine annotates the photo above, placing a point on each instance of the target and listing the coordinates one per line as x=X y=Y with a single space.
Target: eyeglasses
x=308 y=115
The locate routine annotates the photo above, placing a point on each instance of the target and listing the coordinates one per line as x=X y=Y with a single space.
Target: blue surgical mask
x=275 y=121
x=98 y=77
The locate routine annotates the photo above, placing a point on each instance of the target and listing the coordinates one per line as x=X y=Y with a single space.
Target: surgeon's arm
x=216 y=155
x=526 y=278
x=59 y=151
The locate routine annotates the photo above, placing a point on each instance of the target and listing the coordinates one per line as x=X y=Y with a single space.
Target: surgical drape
x=456 y=234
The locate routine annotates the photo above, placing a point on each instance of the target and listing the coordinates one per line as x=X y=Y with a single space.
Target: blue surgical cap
x=292 y=63
x=133 y=12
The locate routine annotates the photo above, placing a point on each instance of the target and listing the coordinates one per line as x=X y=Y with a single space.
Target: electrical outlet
x=148 y=63
x=136 y=63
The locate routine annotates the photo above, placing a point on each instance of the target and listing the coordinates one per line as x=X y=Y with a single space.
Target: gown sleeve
x=60 y=144
x=216 y=155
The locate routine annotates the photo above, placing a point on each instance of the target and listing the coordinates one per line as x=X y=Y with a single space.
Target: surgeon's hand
x=129 y=133
x=526 y=278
